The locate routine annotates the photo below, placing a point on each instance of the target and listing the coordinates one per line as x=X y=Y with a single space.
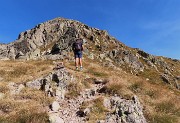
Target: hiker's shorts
x=78 y=54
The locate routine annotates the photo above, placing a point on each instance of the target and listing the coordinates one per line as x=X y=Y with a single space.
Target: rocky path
x=64 y=110
x=67 y=110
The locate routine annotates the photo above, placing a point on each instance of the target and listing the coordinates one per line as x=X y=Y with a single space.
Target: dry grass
x=35 y=95
x=30 y=114
x=158 y=118
x=3 y=88
x=154 y=96
x=23 y=71
x=97 y=110
x=136 y=87
x=26 y=107
x=160 y=102
x=117 y=86
x=152 y=75
x=175 y=65
x=74 y=90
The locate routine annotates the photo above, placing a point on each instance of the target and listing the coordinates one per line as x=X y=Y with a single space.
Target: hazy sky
x=151 y=25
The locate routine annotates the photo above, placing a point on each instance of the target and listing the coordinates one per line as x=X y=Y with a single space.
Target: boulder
x=128 y=111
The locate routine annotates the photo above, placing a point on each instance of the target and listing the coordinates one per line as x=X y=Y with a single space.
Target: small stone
x=54 y=118
x=55 y=106
x=87 y=111
x=21 y=86
x=60 y=93
x=2 y=95
x=107 y=103
x=101 y=121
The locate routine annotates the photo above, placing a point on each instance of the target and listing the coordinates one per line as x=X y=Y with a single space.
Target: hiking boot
x=81 y=68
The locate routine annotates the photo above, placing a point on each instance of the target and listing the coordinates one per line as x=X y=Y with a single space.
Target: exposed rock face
x=53 y=84
x=126 y=111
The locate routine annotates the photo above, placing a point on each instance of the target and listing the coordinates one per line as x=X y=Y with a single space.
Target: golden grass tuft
x=35 y=95
x=74 y=90
x=159 y=118
x=98 y=111
x=136 y=87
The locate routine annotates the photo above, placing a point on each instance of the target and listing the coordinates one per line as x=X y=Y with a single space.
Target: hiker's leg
x=80 y=61
x=76 y=59
x=80 y=58
x=76 y=62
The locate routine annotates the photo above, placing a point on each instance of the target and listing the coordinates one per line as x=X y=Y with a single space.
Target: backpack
x=78 y=45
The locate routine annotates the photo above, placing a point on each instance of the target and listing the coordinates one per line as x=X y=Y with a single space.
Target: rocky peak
x=53 y=40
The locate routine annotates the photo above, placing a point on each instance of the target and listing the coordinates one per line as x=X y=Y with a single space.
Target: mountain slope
x=53 y=40
x=129 y=71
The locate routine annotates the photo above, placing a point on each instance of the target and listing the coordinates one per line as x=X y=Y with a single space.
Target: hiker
x=78 y=48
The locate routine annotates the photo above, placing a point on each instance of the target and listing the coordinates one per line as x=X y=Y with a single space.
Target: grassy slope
x=161 y=103
x=28 y=106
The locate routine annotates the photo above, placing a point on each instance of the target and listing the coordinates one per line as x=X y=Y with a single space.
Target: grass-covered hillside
x=160 y=102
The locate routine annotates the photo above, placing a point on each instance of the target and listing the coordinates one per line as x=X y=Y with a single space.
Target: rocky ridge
x=53 y=40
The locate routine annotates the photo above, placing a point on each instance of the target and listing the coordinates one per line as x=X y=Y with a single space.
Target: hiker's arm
x=82 y=48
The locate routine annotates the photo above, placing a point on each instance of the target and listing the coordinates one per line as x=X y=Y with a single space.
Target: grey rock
x=15 y=88
x=126 y=111
x=102 y=56
x=54 y=84
x=55 y=106
x=87 y=111
x=60 y=93
x=165 y=78
x=107 y=103
x=36 y=84
x=54 y=118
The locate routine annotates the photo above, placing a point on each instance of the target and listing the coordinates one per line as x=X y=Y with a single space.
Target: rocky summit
x=53 y=40
x=113 y=87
